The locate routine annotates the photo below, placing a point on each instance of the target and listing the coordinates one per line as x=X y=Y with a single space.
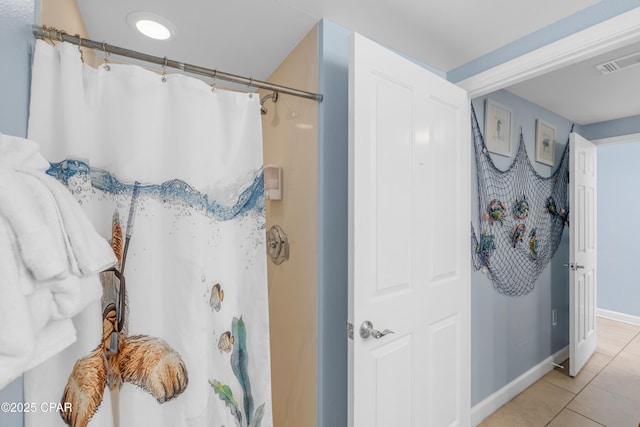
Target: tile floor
x=606 y=392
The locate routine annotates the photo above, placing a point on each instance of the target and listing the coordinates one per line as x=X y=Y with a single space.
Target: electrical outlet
x=554 y=317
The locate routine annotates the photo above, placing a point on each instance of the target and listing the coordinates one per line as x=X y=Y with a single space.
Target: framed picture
x=497 y=128
x=545 y=142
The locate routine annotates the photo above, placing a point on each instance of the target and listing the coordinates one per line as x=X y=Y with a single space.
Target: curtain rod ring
x=164 y=70
x=79 y=47
x=213 y=82
x=106 y=54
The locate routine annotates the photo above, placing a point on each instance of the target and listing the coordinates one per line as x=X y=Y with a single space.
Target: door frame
x=613 y=33
x=621 y=139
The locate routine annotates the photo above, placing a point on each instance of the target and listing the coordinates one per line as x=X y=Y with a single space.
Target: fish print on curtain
x=170 y=171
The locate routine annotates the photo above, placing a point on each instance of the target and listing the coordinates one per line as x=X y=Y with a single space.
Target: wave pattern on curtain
x=194 y=350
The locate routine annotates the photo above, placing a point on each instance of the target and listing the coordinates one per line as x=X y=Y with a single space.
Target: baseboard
x=620 y=317
x=492 y=403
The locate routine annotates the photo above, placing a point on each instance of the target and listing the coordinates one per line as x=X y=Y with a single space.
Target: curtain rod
x=54 y=34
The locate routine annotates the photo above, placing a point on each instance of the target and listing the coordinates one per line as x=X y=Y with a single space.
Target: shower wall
x=65 y=15
x=290 y=141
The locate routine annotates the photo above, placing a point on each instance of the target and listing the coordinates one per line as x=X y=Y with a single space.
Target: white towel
x=55 y=337
x=74 y=294
x=28 y=335
x=51 y=217
x=17 y=337
x=50 y=257
x=92 y=252
x=20 y=153
x=34 y=239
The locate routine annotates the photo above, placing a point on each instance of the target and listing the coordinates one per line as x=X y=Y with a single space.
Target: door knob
x=366 y=331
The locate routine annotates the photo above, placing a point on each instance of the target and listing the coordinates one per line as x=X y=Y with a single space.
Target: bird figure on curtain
x=148 y=362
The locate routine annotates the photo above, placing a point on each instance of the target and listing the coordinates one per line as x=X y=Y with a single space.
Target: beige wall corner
x=290 y=141
x=65 y=15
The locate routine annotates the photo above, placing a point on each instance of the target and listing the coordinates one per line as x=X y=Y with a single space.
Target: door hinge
x=350 y=330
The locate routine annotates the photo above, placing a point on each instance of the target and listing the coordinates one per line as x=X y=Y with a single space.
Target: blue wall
x=16 y=18
x=618 y=201
x=16 y=39
x=510 y=335
x=610 y=128
x=333 y=141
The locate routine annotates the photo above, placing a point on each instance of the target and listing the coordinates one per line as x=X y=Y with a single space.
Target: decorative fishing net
x=521 y=215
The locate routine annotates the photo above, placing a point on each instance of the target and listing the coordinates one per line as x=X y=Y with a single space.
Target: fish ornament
x=486 y=246
x=518 y=234
x=551 y=206
x=533 y=245
x=495 y=212
x=521 y=208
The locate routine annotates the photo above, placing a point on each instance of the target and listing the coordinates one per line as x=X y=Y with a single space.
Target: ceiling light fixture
x=151 y=25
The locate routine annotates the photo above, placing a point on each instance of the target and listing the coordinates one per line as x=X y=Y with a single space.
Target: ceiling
x=252 y=37
x=580 y=93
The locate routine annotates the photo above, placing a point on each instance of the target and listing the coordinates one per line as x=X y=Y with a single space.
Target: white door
x=582 y=252
x=409 y=253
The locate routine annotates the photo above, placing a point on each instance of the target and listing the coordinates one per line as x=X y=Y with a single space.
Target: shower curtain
x=176 y=166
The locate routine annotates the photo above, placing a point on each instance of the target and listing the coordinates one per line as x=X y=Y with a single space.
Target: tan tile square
x=620 y=379
x=597 y=362
x=511 y=415
x=566 y=382
x=633 y=347
x=604 y=322
x=535 y=406
x=608 y=345
x=605 y=407
x=628 y=362
x=621 y=333
x=568 y=418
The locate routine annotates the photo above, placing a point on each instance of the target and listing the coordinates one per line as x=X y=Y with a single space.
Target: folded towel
x=92 y=252
x=34 y=239
x=41 y=306
x=49 y=215
x=17 y=336
x=20 y=153
x=55 y=337
x=50 y=257
x=74 y=294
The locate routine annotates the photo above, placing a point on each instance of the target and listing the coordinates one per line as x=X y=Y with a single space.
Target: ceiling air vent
x=619 y=64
